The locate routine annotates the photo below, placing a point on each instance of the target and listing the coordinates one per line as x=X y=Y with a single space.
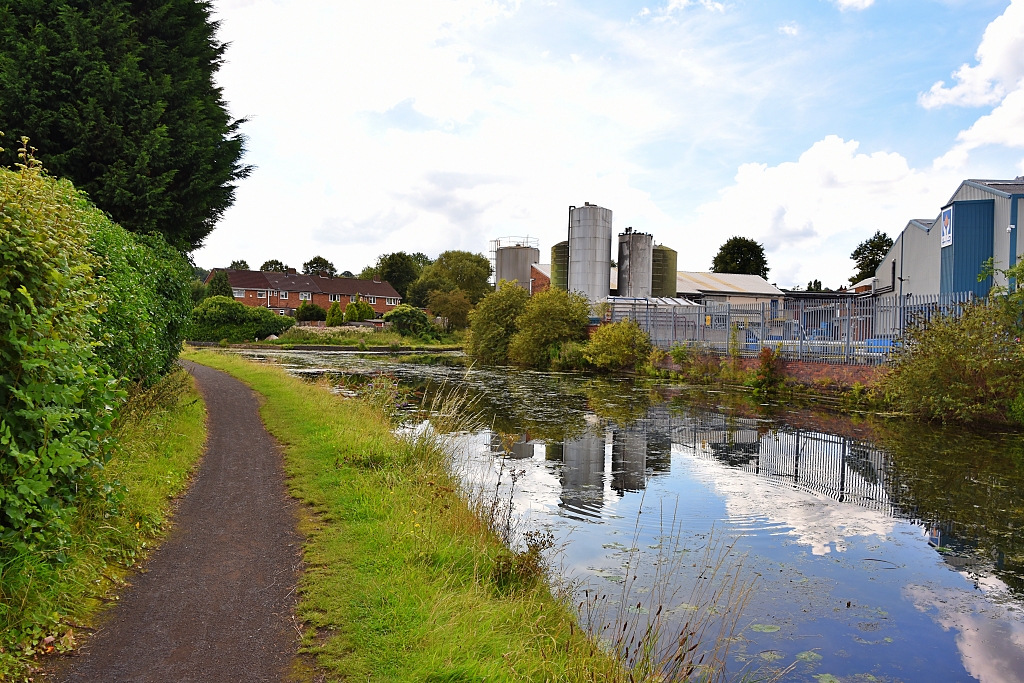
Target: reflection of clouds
x=990 y=638
x=814 y=519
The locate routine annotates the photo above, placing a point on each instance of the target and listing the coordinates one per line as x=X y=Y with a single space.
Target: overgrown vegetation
x=548 y=320
x=620 y=346
x=493 y=322
x=219 y=317
x=307 y=311
x=46 y=593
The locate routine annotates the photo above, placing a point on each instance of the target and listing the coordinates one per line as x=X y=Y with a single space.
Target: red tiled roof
x=349 y=285
x=297 y=282
x=243 y=279
x=293 y=282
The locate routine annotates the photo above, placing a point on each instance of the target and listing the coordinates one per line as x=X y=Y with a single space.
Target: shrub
x=548 y=320
x=768 y=377
x=619 y=346
x=493 y=322
x=407 y=320
x=570 y=356
x=454 y=306
x=359 y=310
x=219 y=317
x=309 y=311
x=335 y=316
x=219 y=285
x=58 y=397
x=965 y=368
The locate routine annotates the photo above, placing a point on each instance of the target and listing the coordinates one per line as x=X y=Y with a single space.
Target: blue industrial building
x=946 y=254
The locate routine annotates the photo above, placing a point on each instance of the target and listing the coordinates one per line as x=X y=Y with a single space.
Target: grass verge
x=46 y=596
x=403 y=581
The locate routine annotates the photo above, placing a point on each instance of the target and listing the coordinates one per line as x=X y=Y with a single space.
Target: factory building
x=946 y=254
x=512 y=259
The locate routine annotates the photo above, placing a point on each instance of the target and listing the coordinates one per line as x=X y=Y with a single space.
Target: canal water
x=882 y=550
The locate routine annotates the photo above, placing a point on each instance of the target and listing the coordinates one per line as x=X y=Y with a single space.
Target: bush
x=219 y=317
x=493 y=322
x=965 y=368
x=407 y=320
x=309 y=311
x=335 y=316
x=548 y=320
x=454 y=306
x=570 y=356
x=768 y=377
x=618 y=346
x=696 y=364
x=359 y=310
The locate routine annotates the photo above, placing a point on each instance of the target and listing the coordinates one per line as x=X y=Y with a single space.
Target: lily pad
x=809 y=656
x=765 y=628
x=770 y=655
x=826 y=678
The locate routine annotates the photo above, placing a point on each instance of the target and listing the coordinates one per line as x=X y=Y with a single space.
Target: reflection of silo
x=635 y=256
x=583 y=475
x=663 y=271
x=629 y=460
x=513 y=263
x=559 y=266
x=590 y=249
x=521 y=448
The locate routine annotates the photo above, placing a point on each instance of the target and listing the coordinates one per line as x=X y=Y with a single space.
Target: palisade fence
x=850 y=331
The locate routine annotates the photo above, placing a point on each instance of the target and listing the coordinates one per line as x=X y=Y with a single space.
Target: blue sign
x=946 y=235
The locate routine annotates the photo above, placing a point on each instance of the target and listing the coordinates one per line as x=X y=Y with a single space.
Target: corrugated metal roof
x=923 y=223
x=1015 y=186
x=688 y=282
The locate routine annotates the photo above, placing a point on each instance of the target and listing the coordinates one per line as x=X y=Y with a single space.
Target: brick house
x=283 y=293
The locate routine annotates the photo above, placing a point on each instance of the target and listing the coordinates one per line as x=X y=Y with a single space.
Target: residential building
x=285 y=292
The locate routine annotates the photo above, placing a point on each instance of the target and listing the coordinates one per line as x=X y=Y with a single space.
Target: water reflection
x=891 y=549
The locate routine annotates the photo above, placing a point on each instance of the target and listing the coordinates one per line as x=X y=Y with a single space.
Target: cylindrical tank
x=663 y=271
x=635 y=258
x=590 y=251
x=559 y=263
x=513 y=263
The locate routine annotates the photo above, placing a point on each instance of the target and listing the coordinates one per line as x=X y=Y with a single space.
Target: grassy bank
x=403 y=581
x=51 y=593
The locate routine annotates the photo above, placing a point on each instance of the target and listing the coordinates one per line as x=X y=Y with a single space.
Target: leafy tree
x=420 y=291
x=548 y=320
x=346 y=273
x=120 y=97
x=359 y=310
x=407 y=320
x=273 y=266
x=198 y=291
x=309 y=311
x=200 y=273
x=240 y=264
x=421 y=259
x=219 y=317
x=467 y=271
x=219 y=285
x=619 y=346
x=741 y=255
x=335 y=316
x=493 y=322
x=318 y=265
x=453 y=306
x=814 y=286
x=399 y=269
x=869 y=254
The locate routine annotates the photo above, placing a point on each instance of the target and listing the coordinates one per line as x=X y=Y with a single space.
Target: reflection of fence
x=843 y=330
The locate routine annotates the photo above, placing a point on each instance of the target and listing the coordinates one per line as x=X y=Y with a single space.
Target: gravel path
x=216 y=600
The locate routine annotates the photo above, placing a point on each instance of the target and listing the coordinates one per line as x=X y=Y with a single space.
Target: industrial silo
x=663 y=272
x=559 y=266
x=514 y=262
x=635 y=260
x=590 y=249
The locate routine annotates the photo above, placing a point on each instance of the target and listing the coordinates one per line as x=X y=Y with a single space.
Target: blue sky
x=427 y=126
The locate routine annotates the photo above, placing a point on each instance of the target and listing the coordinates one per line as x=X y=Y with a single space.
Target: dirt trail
x=216 y=600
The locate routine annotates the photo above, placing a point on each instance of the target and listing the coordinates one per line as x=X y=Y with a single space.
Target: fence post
x=800 y=329
x=762 y=327
x=849 y=331
x=728 y=328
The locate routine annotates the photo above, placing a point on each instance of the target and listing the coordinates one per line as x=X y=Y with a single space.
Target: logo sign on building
x=946 y=234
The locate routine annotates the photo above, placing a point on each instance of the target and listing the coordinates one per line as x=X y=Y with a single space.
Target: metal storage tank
x=663 y=272
x=513 y=263
x=559 y=266
x=635 y=260
x=590 y=249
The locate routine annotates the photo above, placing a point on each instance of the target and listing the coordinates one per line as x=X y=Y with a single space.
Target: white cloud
x=856 y=5
x=831 y=196
x=790 y=29
x=676 y=5
x=999 y=71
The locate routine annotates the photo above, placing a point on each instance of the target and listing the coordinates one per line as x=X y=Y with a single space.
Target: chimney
x=291 y=271
x=376 y=278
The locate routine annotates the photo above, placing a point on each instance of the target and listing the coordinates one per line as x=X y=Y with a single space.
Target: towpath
x=216 y=600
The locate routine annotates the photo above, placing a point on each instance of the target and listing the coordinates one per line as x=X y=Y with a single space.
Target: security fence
x=841 y=330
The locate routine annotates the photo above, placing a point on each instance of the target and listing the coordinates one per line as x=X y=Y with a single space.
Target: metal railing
x=849 y=331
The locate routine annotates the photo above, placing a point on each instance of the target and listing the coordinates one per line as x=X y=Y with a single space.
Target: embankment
x=403 y=581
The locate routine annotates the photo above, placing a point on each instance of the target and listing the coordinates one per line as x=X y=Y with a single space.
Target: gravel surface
x=216 y=600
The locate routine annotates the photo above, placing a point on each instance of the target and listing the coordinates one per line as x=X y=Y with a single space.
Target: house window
x=334 y=297
x=305 y=296
x=261 y=294
x=283 y=294
x=371 y=299
x=238 y=293
x=391 y=301
x=353 y=298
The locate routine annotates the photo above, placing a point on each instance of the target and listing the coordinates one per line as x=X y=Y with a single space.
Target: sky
x=427 y=125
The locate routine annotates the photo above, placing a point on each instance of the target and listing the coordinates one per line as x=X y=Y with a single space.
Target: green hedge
x=221 y=317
